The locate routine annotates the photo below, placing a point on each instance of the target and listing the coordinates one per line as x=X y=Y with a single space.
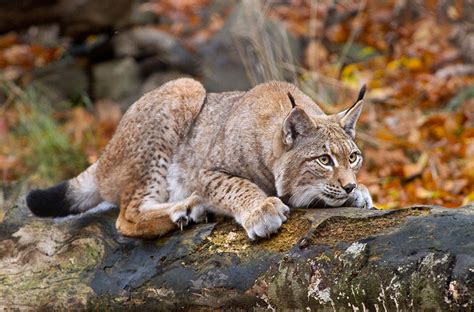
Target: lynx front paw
x=183 y=215
x=265 y=219
x=199 y=214
x=360 y=198
x=187 y=210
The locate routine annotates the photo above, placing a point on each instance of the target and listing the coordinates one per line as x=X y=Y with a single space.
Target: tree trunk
x=419 y=258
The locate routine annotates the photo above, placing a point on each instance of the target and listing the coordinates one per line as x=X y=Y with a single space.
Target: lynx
x=180 y=152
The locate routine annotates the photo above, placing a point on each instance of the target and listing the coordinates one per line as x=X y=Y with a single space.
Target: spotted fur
x=179 y=153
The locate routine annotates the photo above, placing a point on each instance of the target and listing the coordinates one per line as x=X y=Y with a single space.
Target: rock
x=142 y=15
x=75 y=17
x=157 y=79
x=148 y=41
x=96 y=49
x=249 y=49
x=463 y=37
x=45 y=35
x=343 y=259
x=118 y=80
x=60 y=81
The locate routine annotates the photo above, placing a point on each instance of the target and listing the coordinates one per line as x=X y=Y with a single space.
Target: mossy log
x=418 y=258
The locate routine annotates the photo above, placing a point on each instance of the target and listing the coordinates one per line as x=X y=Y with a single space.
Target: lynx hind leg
x=150 y=224
x=135 y=220
x=147 y=218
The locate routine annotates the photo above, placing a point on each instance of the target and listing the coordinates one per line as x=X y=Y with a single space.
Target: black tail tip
x=50 y=202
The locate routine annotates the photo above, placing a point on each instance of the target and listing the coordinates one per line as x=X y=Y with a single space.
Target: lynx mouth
x=326 y=200
x=335 y=197
x=313 y=196
x=320 y=201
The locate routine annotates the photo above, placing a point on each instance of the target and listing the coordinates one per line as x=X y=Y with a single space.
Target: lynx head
x=320 y=160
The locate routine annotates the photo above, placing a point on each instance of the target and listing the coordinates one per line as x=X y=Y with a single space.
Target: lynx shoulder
x=180 y=152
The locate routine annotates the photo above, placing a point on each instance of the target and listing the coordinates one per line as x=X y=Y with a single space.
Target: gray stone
x=463 y=37
x=344 y=259
x=142 y=15
x=146 y=41
x=61 y=81
x=249 y=49
x=46 y=35
x=118 y=80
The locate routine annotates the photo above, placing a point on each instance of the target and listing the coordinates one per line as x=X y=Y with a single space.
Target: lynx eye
x=325 y=160
x=353 y=157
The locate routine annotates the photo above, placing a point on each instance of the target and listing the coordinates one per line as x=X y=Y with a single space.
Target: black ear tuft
x=361 y=93
x=292 y=100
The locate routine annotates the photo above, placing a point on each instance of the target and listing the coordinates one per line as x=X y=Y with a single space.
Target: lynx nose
x=349 y=187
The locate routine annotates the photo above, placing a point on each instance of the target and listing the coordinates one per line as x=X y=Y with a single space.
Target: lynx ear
x=296 y=124
x=349 y=117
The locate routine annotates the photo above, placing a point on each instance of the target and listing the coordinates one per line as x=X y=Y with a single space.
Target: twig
x=354 y=33
x=455 y=70
x=368 y=139
x=313 y=19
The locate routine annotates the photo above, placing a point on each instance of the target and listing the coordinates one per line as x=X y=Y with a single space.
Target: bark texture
x=418 y=258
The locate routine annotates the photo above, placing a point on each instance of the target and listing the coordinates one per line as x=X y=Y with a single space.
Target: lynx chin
x=180 y=152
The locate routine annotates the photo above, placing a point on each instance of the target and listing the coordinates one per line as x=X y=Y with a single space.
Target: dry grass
x=265 y=49
x=36 y=142
x=267 y=54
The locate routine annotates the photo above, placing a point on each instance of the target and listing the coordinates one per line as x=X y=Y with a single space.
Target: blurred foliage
x=47 y=145
x=41 y=146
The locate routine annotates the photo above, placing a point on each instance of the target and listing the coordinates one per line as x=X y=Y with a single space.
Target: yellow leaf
x=413 y=63
x=349 y=74
x=381 y=94
x=384 y=206
x=393 y=65
x=426 y=194
x=468 y=199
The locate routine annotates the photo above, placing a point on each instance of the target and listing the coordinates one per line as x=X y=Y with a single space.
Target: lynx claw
x=182 y=222
x=180 y=219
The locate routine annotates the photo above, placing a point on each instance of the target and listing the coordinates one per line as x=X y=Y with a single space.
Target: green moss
x=322 y=258
x=341 y=229
x=230 y=237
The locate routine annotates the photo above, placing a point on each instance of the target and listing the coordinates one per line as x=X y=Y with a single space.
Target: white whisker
x=305 y=195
